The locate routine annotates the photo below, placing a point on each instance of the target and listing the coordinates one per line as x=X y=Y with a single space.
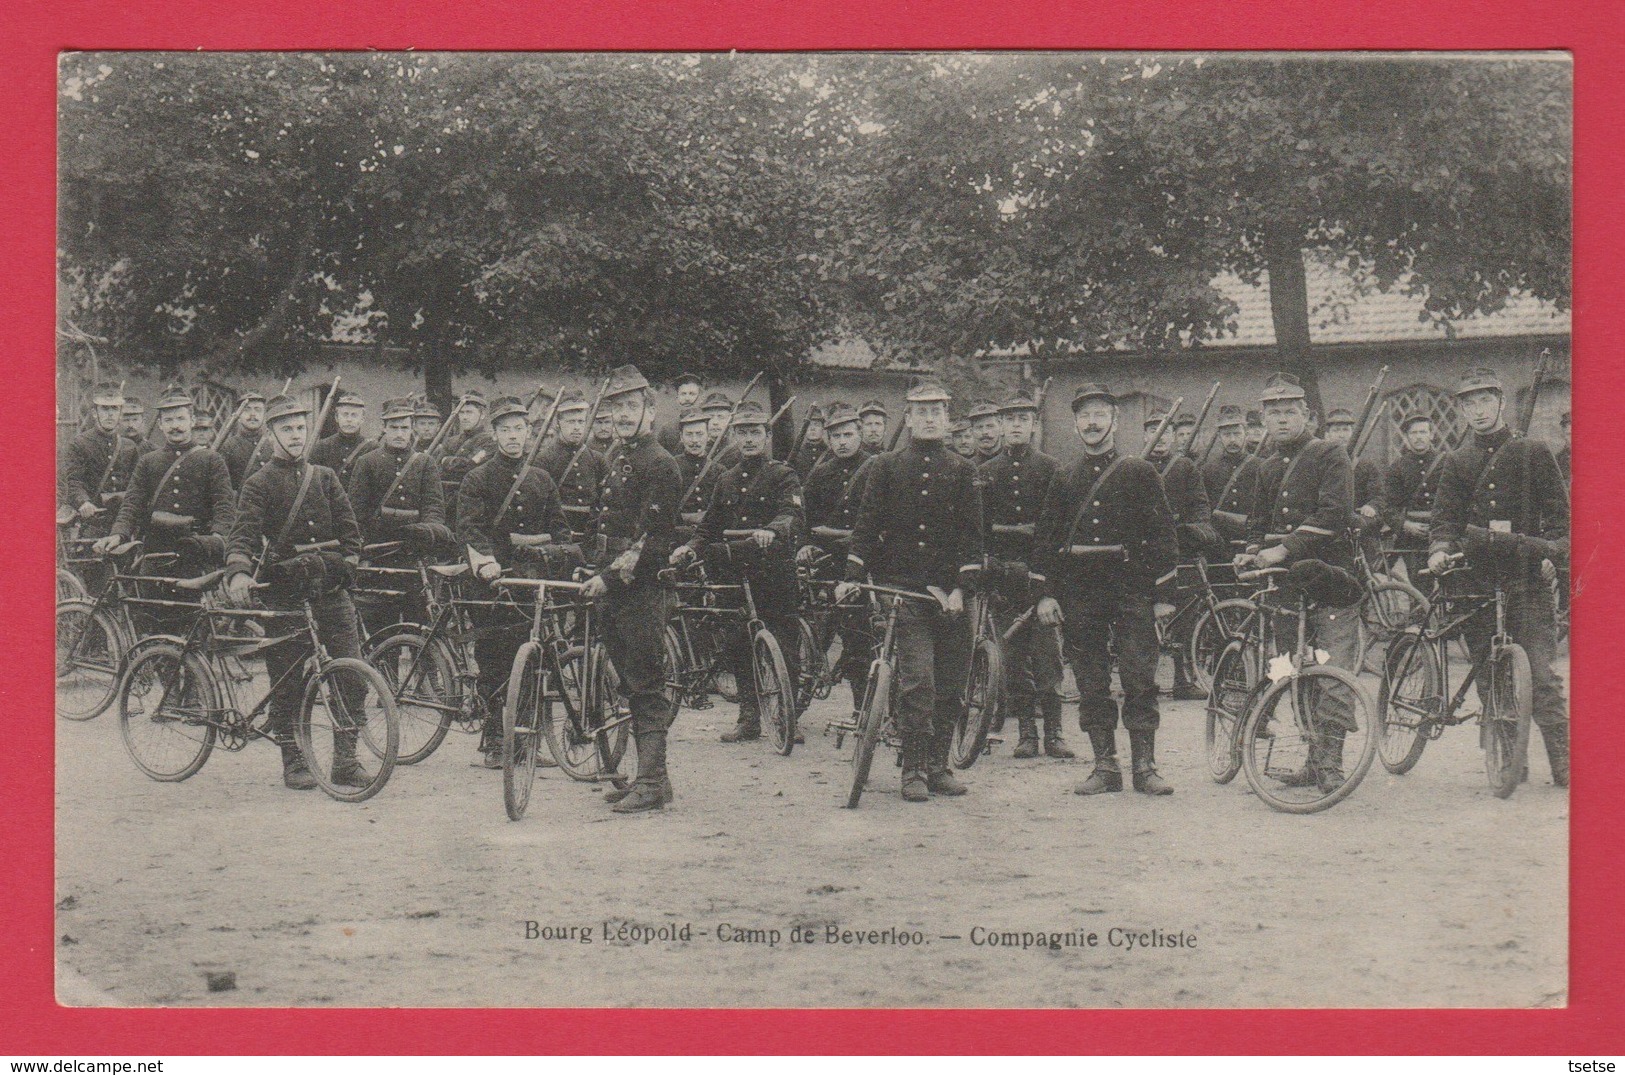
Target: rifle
x=429 y=452
x=1364 y=426
x=1043 y=394
x=897 y=435
x=592 y=416
x=226 y=427
x=716 y=447
x=530 y=460
x=314 y=434
x=1162 y=428
x=806 y=423
x=445 y=427
x=1201 y=418
x=1542 y=368
x=321 y=418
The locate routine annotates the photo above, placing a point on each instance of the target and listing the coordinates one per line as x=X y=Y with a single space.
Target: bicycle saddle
x=449 y=571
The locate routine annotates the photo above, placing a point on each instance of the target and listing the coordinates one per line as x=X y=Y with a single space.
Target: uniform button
x=922 y=544
x=1095 y=521
x=1492 y=485
x=1097 y=503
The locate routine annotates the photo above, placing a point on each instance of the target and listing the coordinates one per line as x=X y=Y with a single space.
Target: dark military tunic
x=265 y=505
x=638 y=500
x=1188 y=500
x=1015 y=483
x=1501 y=482
x=535 y=509
x=757 y=494
x=196 y=498
x=920 y=520
x=832 y=498
x=417 y=496
x=1409 y=489
x=808 y=456
x=340 y=452
x=461 y=453
x=96 y=469
x=240 y=452
x=1310 y=515
x=1564 y=465
x=1368 y=485
x=577 y=484
x=1129 y=509
x=1230 y=479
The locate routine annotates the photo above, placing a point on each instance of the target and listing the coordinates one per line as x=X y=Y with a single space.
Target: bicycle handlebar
x=317 y=546
x=383 y=548
x=870 y=587
x=539 y=584
x=1261 y=572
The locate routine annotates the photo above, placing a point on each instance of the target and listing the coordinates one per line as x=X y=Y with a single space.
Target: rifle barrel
x=1162 y=427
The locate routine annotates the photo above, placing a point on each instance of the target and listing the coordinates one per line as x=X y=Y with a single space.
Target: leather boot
x=1184 y=689
x=1108 y=775
x=1143 y=747
x=347 y=772
x=1054 y=745
x=939 y=776
x=490 y=743
x=1329 y=776
x=648 y=790
x=1557 y=751
x=623 y=789
x=748 y=728
x=295 y=774
x=1027 y=744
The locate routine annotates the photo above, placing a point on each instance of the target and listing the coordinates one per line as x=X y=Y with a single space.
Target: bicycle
x=70 y=558
x=1204 y=624
x=876 y=721
x=561 y=692
x=1266 y=713
x=178 y=699
x=816 y=623
x=1390 y=606
x=1417 y=703
x=981 y=705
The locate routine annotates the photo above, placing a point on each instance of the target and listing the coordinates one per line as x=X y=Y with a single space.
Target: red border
x=1593 y=31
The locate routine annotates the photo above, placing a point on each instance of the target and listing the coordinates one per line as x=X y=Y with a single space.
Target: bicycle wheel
x=564 y=717
x=521 y=719
x=1214 y=630
x=1504 y=731
x=983 y=690
x=775 y=694
x=811 y=670
x=1387 y=609
x=69 y=586
x=610 y=716
x=1230 y=692
x=347 y=700
x=90 y=643
x=876 y=703
x=1411 y=704
x=675 y=668
x=1296 y=742
x=424 y=685
x=167 y=698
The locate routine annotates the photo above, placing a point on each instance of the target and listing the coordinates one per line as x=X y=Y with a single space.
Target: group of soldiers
x=1077 y=561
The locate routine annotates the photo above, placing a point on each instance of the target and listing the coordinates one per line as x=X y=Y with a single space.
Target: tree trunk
x=437 y=381
x=783 y=431
x=276 y=317
x=1289 y=310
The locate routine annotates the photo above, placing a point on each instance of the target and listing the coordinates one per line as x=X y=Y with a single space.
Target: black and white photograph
x=826 y=530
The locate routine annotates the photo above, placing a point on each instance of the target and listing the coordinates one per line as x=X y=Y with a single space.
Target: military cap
x=717 y=401
x=815 y=414
x=1566 y=420
x=348 y=398
x=1184 y=420
x=1155 y=419
x=107 y=394
x=253 y=395
x=625 y=379
x=1229 y=415
x=204 y=420
x=961 y=425
x=1281 y=386
x=572 y=400
x=506 y=407
x=1018 y=402
x=1255 y=418
x=174 y=396
x=474 y=396
x=423 y=408
x=133 y=405
x=982 y=408
x=1411 y=419
x=840 y=414
x=1479 y=379
x=1091 y=390
x=1339 y=416
x=872 y=406
x=688 y=378
x=750 y=413
x=280 y=407
x=692 y=416
x=400 y=407
x=924 y=392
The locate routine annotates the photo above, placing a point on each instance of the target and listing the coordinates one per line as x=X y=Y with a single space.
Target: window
x=1449 y=427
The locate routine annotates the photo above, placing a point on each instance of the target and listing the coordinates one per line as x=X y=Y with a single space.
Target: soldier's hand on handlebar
x=1049 y=612
x=1368 y=512
x=595 y=588
x=104 y=545
x=763 y=538
x=806 y=554
x=1548 y=571
x=87 y=510
x=238 y=587
x=1162 y=610
x=956 y=602
x=1271 y=556
x=844 y=591
x=488 y=570
x=681 y=555
x=1438 y=560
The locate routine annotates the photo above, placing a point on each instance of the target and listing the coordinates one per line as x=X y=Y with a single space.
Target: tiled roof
x=1338 y=314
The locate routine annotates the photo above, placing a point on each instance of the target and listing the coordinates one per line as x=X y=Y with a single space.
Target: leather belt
x=1097 y=551
x=403 y=514
x=1025 y=529
x=166 y=518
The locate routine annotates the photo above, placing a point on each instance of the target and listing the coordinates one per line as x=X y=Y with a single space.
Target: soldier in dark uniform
x=203 y=429
x=575 y=470
x=832 y=496
x=1501 y=500
x=397 y=496
x=688 y=396
x=920 y=525
x=468 y=445
x=426 y=422
x=1301 y=512
x=872 y=427
x=96 y=466
x=1369 y=510
x=1193 y=521
x=245 y=437
x=510 y=518
x=1229 y=476
x=987 y=430
x=812 y=446
x=1409 y=489
x=1564 y=453
x=340 y=451
x=1255 y=431
x=717 y=409
x=133 y=422
x=277 y=510
x=637 y=524
x=1014 y=485
x=961 y=439
x=762 y=495
x=1105 y=538
x=602 y=434
x=696 y=437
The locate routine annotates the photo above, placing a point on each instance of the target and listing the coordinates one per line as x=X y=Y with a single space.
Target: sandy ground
x=1418 y=890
